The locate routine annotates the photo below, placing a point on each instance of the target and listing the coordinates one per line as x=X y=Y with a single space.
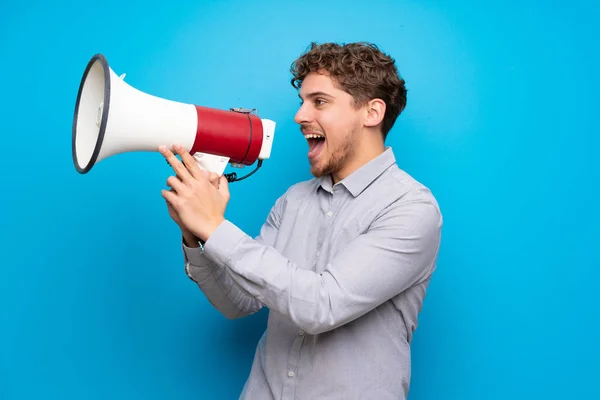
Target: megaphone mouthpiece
x=112 y=117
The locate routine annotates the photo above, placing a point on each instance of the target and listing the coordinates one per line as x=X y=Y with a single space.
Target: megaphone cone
x=112 y=117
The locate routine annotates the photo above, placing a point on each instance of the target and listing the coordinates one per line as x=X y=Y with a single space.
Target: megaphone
x=112 y=117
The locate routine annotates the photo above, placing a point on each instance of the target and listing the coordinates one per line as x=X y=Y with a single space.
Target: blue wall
x=502 y=125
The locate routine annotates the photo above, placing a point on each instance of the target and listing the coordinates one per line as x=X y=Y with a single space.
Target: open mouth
x=316 y=143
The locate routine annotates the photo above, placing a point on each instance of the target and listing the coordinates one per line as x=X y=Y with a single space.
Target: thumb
x=224 y=187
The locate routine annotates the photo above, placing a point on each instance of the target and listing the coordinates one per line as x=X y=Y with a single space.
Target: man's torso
x=369 y=357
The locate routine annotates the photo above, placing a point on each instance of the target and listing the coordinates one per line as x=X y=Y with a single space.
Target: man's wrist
x=190 y=240
x=205 y=235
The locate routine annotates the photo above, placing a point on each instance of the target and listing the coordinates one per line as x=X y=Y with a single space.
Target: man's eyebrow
x=315 y=94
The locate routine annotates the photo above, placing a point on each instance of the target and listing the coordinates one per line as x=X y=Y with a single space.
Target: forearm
x=218 y=287
x=189 y=239
x=399 y=251
x=283 y=286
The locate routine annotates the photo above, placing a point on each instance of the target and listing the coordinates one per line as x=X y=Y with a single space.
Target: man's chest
x=315 y=228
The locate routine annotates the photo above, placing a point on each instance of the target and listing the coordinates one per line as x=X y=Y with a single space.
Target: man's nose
x=302 y=115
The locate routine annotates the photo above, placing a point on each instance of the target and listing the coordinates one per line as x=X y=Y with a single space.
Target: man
x=343 y=260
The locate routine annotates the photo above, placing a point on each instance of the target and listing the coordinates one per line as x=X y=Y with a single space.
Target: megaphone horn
x=112 y=117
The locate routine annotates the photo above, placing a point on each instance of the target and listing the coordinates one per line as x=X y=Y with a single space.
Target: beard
x=332 y=161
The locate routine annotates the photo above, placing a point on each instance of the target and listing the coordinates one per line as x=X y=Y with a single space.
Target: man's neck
x=367 y=151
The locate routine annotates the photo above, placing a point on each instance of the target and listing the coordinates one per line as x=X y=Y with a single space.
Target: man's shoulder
x=405 y=188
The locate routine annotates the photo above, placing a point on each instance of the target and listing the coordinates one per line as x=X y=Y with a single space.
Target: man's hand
x=195 y=203
x=188 y=237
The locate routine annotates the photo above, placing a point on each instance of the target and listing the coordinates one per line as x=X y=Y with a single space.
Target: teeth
x=314 y=136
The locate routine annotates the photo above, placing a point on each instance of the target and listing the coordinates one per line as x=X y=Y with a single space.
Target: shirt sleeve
x=399 y=250
x=217 y=284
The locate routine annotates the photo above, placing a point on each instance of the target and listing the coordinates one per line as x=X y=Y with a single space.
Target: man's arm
x=217 y=284
x=399 y=250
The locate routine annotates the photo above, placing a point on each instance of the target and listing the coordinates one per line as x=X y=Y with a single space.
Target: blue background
x=501 y=123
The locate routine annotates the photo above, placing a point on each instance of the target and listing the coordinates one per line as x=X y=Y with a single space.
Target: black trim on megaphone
x=104 y=119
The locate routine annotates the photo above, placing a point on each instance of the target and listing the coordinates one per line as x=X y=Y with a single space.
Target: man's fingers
x=177 y=165
x=169 y=205
x=214 y=179
x=189 y=161
x=224 y=187
x=176 y=184
x=170 y=197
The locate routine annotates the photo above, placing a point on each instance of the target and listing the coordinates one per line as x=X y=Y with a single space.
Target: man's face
x=330 y=123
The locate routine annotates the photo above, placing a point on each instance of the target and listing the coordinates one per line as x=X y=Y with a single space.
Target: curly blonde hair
x=360 y=69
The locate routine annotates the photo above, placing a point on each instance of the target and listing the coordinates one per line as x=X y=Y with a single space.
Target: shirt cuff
x=193 y=254
x=222 y=243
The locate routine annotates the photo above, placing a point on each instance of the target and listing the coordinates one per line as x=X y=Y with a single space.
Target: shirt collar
x=358 y=181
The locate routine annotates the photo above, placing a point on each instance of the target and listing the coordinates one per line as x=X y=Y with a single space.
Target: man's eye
x=320 y=102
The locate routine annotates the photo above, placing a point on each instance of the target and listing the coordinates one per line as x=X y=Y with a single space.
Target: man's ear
x=375 y=111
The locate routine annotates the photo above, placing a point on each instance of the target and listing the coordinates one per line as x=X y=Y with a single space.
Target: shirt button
x=329 y=214
x=301 y=333
x=318 y=253
x=291 y=374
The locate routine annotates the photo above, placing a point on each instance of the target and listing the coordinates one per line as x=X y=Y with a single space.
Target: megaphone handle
x=217 y=164
x=211 y=163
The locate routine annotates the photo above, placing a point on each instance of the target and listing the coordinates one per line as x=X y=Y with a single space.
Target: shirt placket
x=291 y=373
x=327 y=211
